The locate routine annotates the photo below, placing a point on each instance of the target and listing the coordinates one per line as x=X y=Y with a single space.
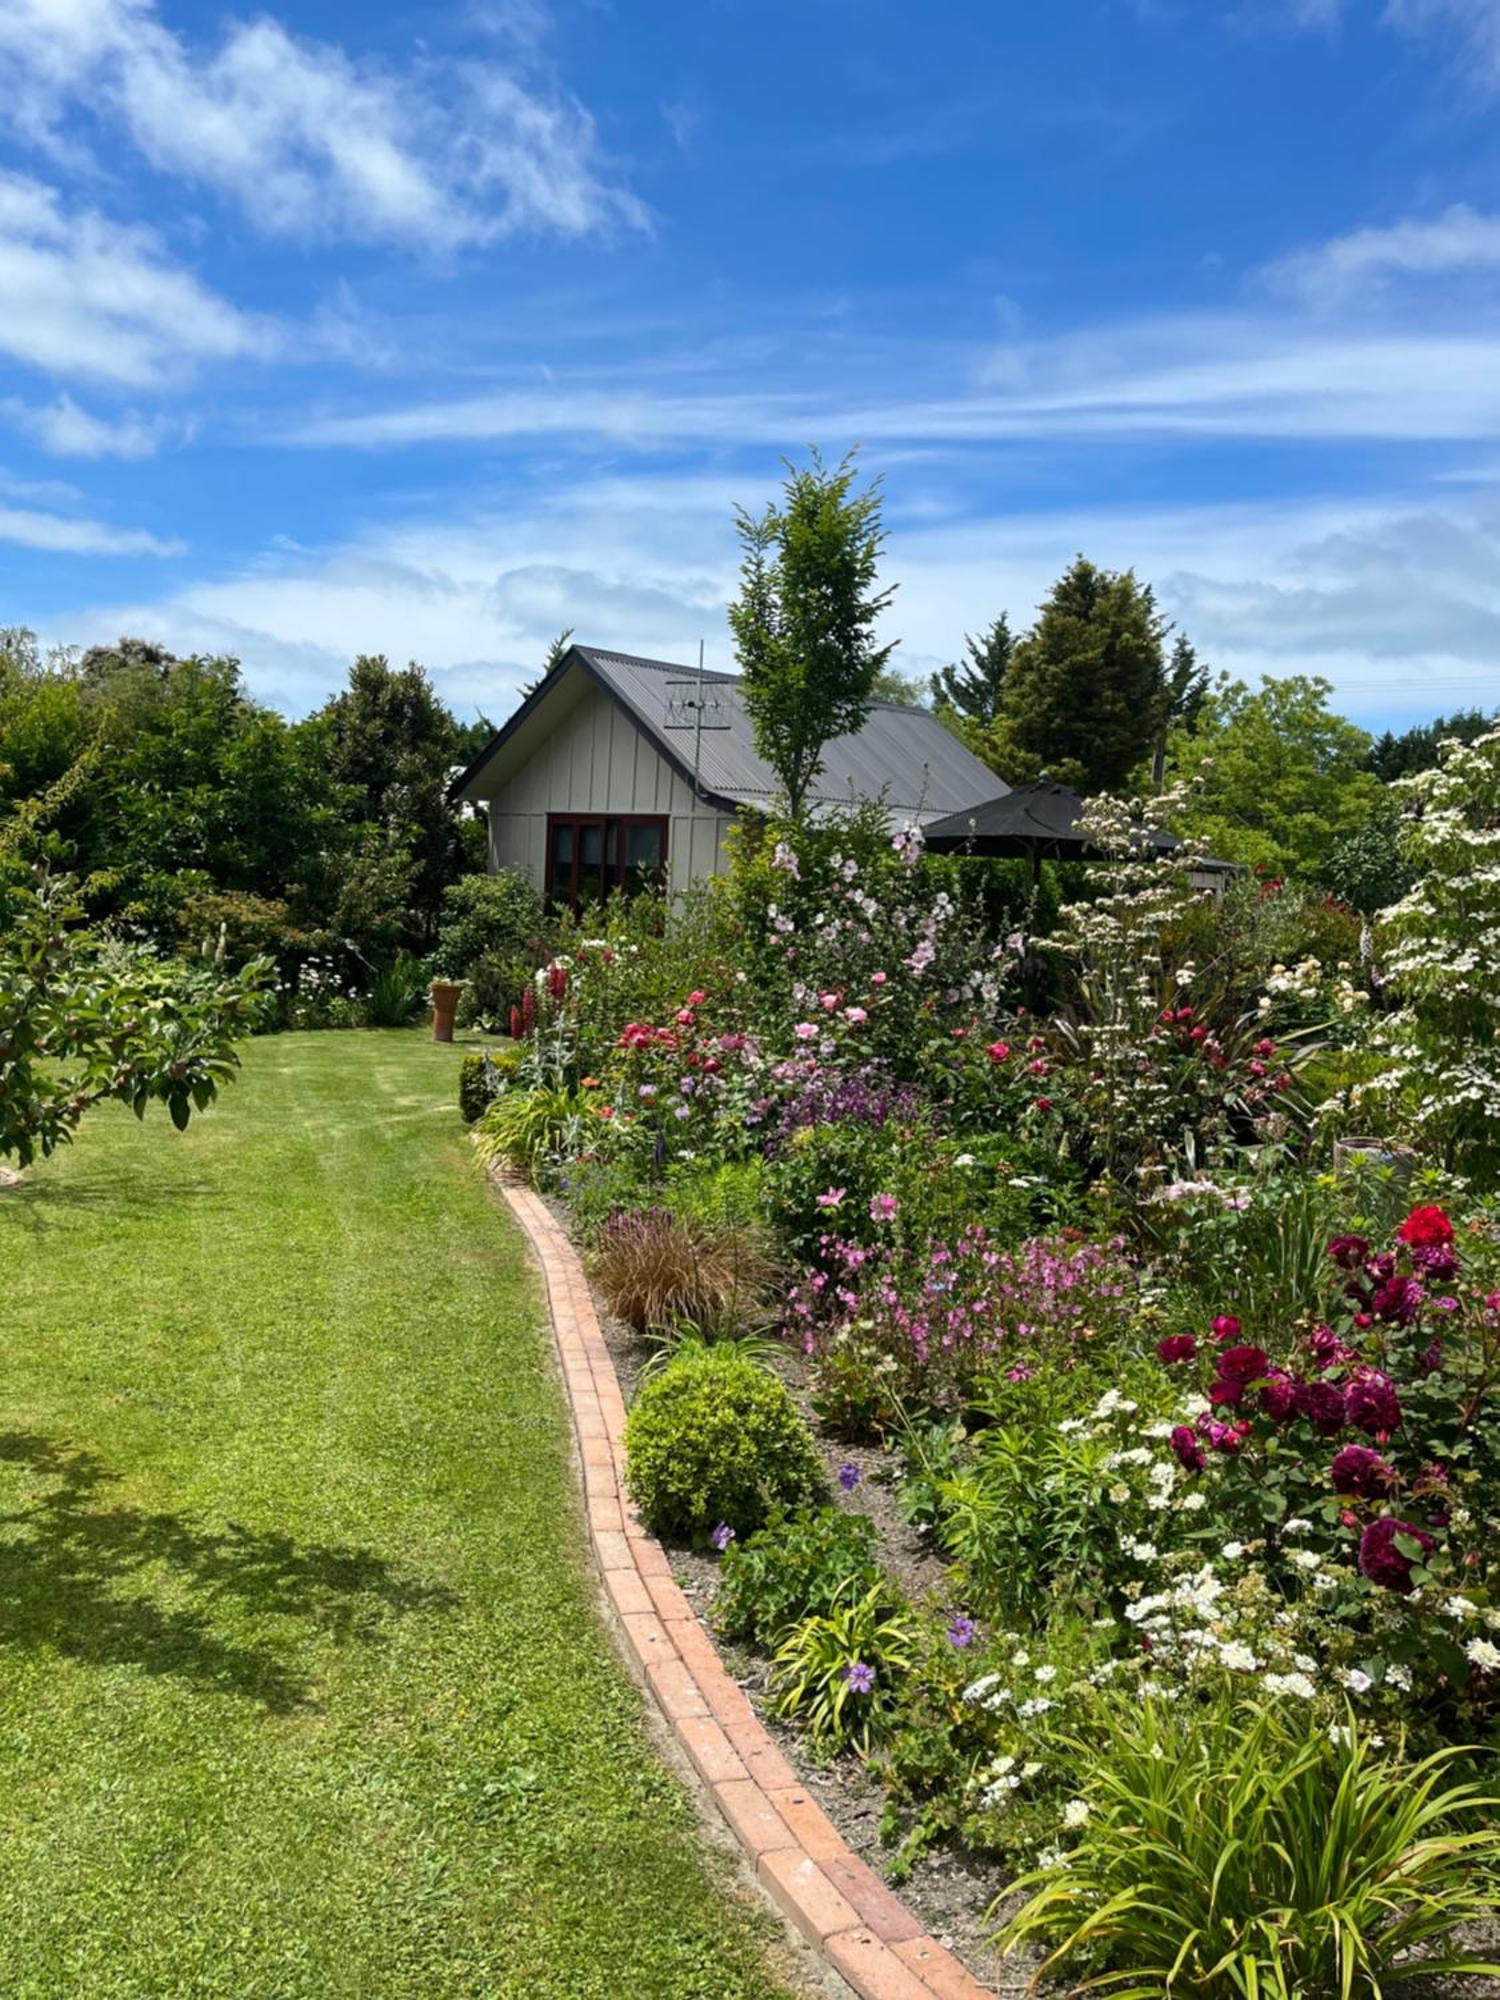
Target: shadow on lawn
x=67 y=1559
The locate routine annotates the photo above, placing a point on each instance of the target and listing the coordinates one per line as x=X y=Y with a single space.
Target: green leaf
x=180 y=1109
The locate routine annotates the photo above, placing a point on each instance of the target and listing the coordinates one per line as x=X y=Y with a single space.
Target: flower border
x=800 y=1859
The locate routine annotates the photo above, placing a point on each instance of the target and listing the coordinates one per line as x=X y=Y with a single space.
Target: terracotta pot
x=444 y=994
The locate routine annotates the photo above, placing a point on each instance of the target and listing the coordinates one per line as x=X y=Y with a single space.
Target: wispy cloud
x=307 y=140
x=1460 y=241
x=1474 y=25
x=87 y=297
x=58 y=534
x=67 y=430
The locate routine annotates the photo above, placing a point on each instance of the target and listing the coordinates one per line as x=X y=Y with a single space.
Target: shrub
x=797 y=1566
x=481 y=1078
x=653 y=1267
x=487 y=916
x=397 y=993
x=713 y=1440
x=524 y=1129
x=1226 y=1852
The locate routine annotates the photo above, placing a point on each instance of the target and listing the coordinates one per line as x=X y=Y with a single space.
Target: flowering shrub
x=926 y=1327
x=1359 y=1465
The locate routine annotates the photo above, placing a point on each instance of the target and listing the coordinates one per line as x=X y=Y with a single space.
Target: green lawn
x=302 y=1690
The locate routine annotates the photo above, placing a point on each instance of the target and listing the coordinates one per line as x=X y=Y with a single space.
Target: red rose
x=998 y=1052
x=1177 y=1347
x=1226 y=1327
x=1425 y=1228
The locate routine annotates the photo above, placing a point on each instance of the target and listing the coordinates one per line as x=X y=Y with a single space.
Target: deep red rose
x=1278 y=1397
x=1357 y=1469
x=1243 y=1364
x=1323 y=1406
x=1348 y=1252
x=1176 y=1347
x=1371 y=1404
x=1226 y=1327
x=1397 y=1300
x=1226 y=1395
x=1425 y=1228
x=1379 y=1558
x=1189 y=1451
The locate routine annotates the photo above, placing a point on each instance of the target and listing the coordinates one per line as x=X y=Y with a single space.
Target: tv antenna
x=691 y=704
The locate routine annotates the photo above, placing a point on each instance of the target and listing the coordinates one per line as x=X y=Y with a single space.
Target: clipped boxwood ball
x=716 y=1439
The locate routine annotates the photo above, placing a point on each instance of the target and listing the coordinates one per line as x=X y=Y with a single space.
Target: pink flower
x=877 y=978
x=1225 y=1327
x=998 y=1052
x=855 y=1016
x=806 y=1031
x=828 y=1001
x=882 y=1207
x=831 y=1197
x=696 y=999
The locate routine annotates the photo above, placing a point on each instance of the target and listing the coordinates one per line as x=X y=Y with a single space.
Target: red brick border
x=801 y=1860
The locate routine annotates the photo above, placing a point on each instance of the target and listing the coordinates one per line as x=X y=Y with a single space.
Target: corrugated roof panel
x=921 y=766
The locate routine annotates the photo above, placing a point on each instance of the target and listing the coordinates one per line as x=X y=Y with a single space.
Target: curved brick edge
x=801 y=1860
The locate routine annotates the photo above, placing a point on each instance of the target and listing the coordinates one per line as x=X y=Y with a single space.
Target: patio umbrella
x=1034 y=822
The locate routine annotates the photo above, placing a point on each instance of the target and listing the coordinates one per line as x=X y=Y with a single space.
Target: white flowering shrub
x=1439 y=949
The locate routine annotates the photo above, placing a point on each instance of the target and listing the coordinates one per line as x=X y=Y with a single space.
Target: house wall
x=597 y=761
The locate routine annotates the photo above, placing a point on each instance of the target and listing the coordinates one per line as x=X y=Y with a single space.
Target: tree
x=804 y=621
x=1416 y=749
x=1083 y=691
x=392 y=744
x=1284 y=778
x=905 y=690
x=970 y=688
x=1183 y=694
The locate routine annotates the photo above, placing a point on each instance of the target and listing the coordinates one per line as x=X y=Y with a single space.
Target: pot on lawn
x=444 y=994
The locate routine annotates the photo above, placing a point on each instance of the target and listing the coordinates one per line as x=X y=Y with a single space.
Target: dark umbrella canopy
x=1037 y=822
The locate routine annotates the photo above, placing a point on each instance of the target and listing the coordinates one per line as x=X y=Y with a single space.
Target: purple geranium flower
x=722 y=1536
x=858 y=1677
x=962 y=1632
x=848 y=1477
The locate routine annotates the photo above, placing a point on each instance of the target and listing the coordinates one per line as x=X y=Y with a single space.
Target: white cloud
x=83 y=296
x=1474 y=24
x=1255 y=375
x=1398 y=605
x=67 y=430
x=57 y=534
x=1459 y=242
x=307 y=140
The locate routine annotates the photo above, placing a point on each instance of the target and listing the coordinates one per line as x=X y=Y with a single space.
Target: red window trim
x=614 y=879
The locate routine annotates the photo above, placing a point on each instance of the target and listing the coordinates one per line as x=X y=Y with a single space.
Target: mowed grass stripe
x=302 y=1690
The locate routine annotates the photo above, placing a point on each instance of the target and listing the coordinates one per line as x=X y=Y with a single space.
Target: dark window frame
x=613 y=871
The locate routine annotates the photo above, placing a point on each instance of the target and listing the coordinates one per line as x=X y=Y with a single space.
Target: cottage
x=616 y=771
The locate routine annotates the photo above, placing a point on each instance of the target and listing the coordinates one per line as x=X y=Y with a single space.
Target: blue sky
x=432 y=329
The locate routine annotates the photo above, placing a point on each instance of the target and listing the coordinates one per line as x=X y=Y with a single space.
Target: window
x=589 y=857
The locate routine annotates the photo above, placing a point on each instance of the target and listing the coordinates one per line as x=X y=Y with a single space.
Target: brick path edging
x=800 y=1859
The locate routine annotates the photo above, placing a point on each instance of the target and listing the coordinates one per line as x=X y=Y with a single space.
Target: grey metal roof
x=921 y=767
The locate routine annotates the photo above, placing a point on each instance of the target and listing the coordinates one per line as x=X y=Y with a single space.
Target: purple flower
x=1278 y=1396
x=1349 y=1252
x=722 y=1536
x=1189 y=1451
x=1323 y=1406
x=829 y=1198
x=882 y=1207
x=962 y=1632
x=858 y=1677
x=848 y=1477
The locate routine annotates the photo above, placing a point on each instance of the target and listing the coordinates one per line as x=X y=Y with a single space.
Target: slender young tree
x=804 y=621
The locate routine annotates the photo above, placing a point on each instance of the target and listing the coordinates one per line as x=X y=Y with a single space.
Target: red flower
x=1044 y=1104
x=1357 y=1469
x=1426 y=1228
x=1379 y=1558
x=1226 y=1327
x=1244 y=1364
x=1323 y=1406
x=1176 y=1347
x=1189 y=1451
x=1371 y=1404
x=1348 y=1252
x=998 y=1052
x=1278 y=1397
x=696 y=999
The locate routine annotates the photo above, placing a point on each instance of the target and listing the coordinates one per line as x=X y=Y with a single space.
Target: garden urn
x=445 y=994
